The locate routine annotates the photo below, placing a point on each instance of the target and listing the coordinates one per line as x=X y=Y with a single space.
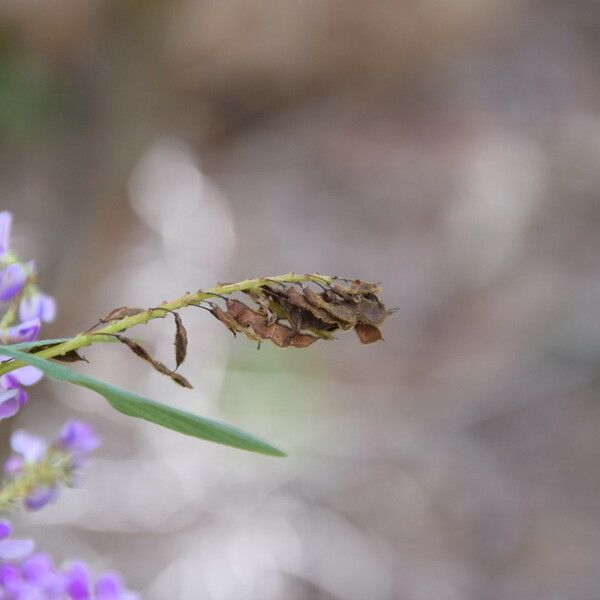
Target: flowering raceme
x=25 y=308
x=35 y=471
x=27 y=576
x=33 y=476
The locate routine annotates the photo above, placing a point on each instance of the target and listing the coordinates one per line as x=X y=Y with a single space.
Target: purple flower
x=40 y=497
x=12 y=549
x=34 y=308
x=12 y=395
x=107 y=587
x=68 y=453
x=78 y=581
x=11 y=401
x=26 y=576
x=12 y=280
x=110 y=587
x=37 y=306
x=5 y=225
x=31 y=447
x=24 y=376
x=41 y=577
x=23 y=332
x=78 y=438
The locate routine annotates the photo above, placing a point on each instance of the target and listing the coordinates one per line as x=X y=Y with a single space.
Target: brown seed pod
x=297 y=298
x=368 y=334
x=279 y=334
x=264 y=305
x=140 y=351
x=343 y=314
x=357 y=287
x=181 y=340
x=179 y=379
x=371 y=312
x=232 y=324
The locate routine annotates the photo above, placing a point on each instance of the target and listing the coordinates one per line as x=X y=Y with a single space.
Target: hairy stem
x=86 y=339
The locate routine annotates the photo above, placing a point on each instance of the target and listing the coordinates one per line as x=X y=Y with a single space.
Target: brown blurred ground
x=450 y=150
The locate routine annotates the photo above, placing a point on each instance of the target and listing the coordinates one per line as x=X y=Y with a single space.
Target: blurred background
x=448 y=149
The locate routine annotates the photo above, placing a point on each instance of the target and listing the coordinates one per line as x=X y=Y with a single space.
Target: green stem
x=86 y=339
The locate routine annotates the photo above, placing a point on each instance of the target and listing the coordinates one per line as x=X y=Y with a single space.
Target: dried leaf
x=368 y=334
x=71 y=356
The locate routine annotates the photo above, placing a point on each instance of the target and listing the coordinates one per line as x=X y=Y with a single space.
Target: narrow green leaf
x=29 y=345
x=135 y=405
x=32 y=345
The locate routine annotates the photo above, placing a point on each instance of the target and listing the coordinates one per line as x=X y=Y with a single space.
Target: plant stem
x=86 y=339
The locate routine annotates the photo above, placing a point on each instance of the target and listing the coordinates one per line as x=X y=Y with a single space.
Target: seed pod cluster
x=297 y=315
x=287 y=314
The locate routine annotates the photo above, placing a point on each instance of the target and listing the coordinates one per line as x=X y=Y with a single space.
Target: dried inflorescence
x=297 y=315
x=287 y=313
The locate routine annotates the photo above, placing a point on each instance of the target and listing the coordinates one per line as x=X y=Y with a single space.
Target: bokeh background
x=448 y=149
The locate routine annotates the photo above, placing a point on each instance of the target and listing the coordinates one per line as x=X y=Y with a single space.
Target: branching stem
x=87 y=338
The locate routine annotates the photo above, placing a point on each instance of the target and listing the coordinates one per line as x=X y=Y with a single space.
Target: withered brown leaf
x=70 y=357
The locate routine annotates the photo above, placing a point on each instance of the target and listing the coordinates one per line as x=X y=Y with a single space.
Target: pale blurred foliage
x=450 y=150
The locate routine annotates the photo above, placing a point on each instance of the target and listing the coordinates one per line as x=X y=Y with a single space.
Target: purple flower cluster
x=40 y=468
x=25 y=308
x=27 y=576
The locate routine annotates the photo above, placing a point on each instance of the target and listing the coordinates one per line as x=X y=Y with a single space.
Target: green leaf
x=135 y=405
x=29 y=345
x=32 y=345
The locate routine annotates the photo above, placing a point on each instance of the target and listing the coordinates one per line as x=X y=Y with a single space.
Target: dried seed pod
x=181 y=340
x=279 y=334
x=368 y=334
x=232 y=324
x=342 y=313
x=264 y=305
x=357 y=287
x=371 y=312
x=140 y=351
x=296 y=298
x=179 y=379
